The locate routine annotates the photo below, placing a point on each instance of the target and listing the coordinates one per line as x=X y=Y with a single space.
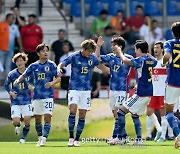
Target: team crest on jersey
x=90 y=62
x=47 y=68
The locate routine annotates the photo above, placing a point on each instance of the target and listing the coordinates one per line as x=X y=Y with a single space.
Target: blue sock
x=137 y=125
x=173 y=122
x=47 y=127
x=121 y=121
x=80 y=128
x=71 y=123
x=124 y=134
x=39 y=129
x=116 y=128
x=25 y=131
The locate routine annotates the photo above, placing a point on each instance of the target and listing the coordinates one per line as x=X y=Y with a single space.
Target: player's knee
x=27 y=121
x=16 y=121
x=47 y=118
x=149 y=111
x=169 y=108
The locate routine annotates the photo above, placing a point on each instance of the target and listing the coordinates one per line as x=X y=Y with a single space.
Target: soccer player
x=20 y=96
x=172 y=56
x=159 y=76
x=44 y=71
x=118 y=83
x=82 y=62
x=137 y=103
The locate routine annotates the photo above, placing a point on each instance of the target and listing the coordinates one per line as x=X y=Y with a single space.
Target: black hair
x=176 y=29
x=32 y=15
x=143 y=45
x=118 y=40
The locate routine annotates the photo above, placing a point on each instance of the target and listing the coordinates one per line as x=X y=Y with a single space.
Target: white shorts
x=116 y=98
x=43 y=106
x=18 y=110
x=137 y=105
x=177 y=105
x=81 y=98
x=172 y=94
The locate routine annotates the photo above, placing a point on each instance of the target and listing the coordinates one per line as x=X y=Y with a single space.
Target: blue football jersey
x=81 y=68
x=118 y=70
x=144 y=66
x=23 y=93
x=43 y=73
x=173 y=47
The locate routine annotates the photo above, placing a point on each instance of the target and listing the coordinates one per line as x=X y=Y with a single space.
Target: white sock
x=154 y=120
x=170 y=131
x=164 y=125
x=148 y=127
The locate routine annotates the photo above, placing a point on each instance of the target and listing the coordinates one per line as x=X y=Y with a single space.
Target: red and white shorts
x=156 y=102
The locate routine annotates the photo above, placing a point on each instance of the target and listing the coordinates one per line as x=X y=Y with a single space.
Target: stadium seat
x=95 y=8
x=89 y=1
x=152 y=8
x=70 y=1
x=114 y=7
x=106 y=1
x=76 y=9
x=133 y=5
x=168 y=34
x=172 y=8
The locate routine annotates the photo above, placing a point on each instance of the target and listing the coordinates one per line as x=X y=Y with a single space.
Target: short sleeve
x=105 y=58
x=167 y=47
x=68 y=60
x=136 y=62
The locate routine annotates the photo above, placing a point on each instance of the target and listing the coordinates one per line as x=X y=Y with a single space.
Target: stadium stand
x=114 y=7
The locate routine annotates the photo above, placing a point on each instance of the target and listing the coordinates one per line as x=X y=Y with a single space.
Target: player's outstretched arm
x=59 y=69
x=104 y=68
x=99 y=44
x=21 y=78
x=121 y=55
x=50 y=84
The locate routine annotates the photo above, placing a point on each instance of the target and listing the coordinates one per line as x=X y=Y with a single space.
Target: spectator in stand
x=99 y=23
x=157 y=32
x=57 y=46
x=135 y=22
x=106 y=47
x=66 y=70
x=145 y=31
x=120 y=24
x=8 y=33
x=32 y=36
x=17 y=3
x=40 y=5
x=20 y=21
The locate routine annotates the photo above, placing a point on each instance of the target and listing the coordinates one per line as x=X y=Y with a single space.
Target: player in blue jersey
x=172 y=56
x=20 y=96
x=118 y=83
x=43 y=71
x=82 y=62
x=138 y=102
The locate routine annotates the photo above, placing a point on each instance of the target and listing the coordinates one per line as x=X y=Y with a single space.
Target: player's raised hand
x=100 y=41
x=48 y=84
